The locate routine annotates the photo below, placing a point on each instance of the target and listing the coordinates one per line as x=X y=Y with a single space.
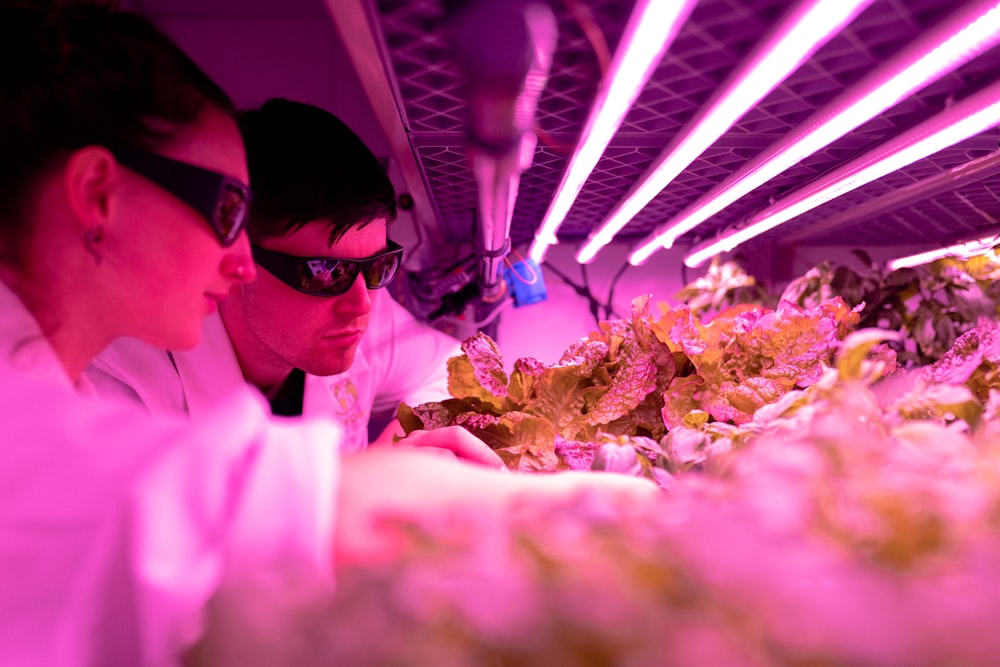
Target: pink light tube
x=955 y=41
x=651 y=29
x=794 y=39
x=964 y=119
x=967 y=249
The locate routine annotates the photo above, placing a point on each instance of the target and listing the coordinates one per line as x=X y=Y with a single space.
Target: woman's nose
x=238 y=264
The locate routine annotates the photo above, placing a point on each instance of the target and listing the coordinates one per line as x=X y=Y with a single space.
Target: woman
x=122 y=199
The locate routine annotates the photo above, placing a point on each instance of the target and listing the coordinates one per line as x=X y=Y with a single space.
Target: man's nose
x=357 y=300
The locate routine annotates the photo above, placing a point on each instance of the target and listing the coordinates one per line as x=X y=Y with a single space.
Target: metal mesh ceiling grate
x=714 y=40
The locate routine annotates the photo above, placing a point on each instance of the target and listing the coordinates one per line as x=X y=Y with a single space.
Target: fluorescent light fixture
x=799 y=34
x=959 y=176
x=962 y=120
x=953 y=42
x=967 y=249
x=651 y=28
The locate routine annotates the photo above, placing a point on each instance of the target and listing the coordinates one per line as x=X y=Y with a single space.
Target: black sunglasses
x=330 y=276
x=222 y=200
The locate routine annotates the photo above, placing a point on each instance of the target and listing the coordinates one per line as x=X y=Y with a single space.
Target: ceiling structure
x=431 y=102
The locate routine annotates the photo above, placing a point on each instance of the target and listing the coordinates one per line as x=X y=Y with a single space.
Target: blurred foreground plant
x=844 y=530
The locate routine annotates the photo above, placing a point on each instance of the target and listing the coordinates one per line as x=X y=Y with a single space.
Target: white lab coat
x=116 y=527
x=398 y=360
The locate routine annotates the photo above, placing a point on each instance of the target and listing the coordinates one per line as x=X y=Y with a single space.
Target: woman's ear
x=90 y=179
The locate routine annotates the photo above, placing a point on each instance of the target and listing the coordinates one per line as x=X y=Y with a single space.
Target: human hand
x=455 y=441
x=387 y=438
x=406 y=484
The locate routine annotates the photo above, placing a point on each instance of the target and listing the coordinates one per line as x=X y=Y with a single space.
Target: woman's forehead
x=211 y=141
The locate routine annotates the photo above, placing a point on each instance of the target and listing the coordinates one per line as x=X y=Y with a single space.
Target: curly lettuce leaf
x=681 y=398
x=487 y=363
x=525 y=442
x=977 y=345
x=429 y=416
x=854 y=353
x=523 y=385
x=463 y=383
x=633 y=379
x=561 y=396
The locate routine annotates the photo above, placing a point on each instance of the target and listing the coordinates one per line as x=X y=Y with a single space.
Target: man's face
x=317 y=334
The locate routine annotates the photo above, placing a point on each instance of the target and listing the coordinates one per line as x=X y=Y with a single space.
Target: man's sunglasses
x=329 y=276
x=222 y=200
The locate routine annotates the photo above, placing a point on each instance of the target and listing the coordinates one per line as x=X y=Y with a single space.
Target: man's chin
x=330 y=365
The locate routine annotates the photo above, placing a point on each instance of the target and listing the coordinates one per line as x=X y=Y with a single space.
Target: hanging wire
x=520 y=278
x=583 y=290
x=609 y=307
x=595 y=305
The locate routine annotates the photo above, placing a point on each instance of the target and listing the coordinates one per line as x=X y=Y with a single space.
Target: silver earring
x=91 y=237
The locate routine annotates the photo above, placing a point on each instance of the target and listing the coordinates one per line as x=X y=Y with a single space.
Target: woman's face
x=174 y=269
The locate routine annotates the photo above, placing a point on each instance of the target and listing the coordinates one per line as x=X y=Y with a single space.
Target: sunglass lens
x=329 y=277
x=381 y=271
x=231 y=213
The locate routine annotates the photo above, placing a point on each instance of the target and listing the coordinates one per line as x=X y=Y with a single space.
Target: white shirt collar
x=23 y=346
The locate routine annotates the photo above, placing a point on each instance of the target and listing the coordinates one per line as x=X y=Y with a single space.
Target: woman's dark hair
x=305 y=165
x=81 y=74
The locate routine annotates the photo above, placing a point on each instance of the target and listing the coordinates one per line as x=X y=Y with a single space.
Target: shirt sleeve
x=409 y=358
x=136 y=371
x=116 y=527
x=250 y=498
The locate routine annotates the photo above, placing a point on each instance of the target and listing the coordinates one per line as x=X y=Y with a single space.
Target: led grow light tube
x=966 y=249
x=956 y=40
x=651 y=28
x=960 y=176
x=799 y=34
x=964 y=119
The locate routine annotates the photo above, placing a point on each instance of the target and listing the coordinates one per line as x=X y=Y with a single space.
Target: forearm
x=409 y=484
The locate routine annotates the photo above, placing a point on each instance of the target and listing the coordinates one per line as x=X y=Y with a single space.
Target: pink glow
x=650 y=30
x=966 y=249
x=801 y=32
x=954 y=42
x=965 y=119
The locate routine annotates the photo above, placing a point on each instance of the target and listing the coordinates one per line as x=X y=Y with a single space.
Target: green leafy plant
x=930 y=305
x=632 y=381
x=832 y=526
x=845 y=532
x=725 y=284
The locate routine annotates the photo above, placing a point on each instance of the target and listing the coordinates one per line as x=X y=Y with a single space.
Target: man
x=314 y=333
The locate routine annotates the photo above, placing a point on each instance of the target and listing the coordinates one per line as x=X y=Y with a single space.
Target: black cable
x=582 y=290
x=609 y=308
x=595 y=305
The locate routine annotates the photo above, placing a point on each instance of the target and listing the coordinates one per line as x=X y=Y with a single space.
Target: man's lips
x=350 y=333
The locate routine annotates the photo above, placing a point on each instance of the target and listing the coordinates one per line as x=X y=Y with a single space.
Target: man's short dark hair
x=305 y=165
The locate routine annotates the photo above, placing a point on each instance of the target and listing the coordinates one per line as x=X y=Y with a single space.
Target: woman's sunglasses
x=222 y=200
x=330 y=276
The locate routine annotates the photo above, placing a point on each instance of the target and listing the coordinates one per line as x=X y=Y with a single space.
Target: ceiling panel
x=712 y=43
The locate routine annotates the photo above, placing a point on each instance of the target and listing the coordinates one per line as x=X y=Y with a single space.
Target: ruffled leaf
x=523 y=441
x=487 y=363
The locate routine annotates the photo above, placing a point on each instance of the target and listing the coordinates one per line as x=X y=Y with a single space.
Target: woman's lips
x=213 y=300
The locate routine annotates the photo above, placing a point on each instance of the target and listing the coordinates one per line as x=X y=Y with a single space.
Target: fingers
x=387 y=437
x=459 y=442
